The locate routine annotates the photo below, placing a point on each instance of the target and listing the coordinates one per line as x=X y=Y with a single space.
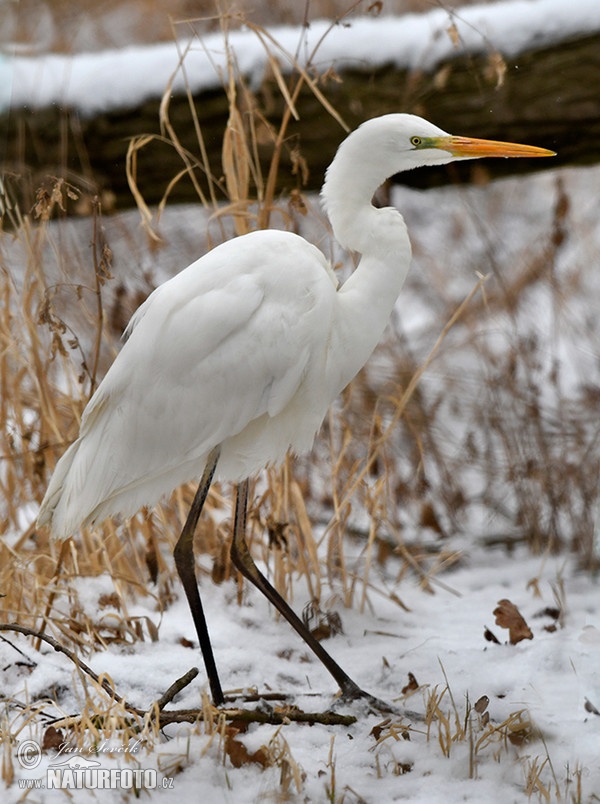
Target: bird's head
x=390 y=144
x=407 y=141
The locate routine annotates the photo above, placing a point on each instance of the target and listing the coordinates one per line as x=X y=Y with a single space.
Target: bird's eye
x=416 y=141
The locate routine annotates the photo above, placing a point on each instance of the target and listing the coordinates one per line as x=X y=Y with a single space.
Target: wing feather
x=224 y=342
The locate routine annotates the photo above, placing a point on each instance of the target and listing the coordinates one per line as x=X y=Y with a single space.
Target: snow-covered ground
x=439 y=638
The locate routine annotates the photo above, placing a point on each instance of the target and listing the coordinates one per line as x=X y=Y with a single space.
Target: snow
x=96 y=82
x=437 y=637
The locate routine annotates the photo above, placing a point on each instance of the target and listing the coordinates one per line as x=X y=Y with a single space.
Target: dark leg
x=240 y=555
x=185 y=563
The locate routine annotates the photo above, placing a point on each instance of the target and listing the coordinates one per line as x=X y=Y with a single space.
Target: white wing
x=224 y=342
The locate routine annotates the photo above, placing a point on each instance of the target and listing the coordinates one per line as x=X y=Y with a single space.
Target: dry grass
x=381 y=444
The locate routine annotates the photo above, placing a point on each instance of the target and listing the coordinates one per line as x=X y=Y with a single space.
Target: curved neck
x=347 y=196
x=367 y=298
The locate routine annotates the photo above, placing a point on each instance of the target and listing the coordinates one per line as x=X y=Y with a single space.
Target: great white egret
x=235 y=360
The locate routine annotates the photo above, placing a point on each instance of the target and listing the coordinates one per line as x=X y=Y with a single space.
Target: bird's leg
x=185 y=563
x=240 y=555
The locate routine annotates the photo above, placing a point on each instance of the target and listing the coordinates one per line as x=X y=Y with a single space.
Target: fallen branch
x=275 y=717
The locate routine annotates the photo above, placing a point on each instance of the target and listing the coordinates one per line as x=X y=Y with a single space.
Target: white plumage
x=236 y=360
x=239 y=338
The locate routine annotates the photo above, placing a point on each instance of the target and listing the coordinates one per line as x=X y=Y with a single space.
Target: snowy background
x=93 y=82
x=553 y=680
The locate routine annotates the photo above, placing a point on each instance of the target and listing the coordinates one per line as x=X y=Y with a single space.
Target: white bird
x=235 y=360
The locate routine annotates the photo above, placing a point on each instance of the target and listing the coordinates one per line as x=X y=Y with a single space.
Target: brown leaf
x=152 y=563
x=481 y=704
x=152 y=629
x=429 y=519
x=508 y=616
x=322 y=624
x=490 y=636
x=239 y=754
x=53 y=738
x=297 y=202
x=589 y=707
x=109 y=601
x=411 y=686
x=377 y=730
x=549 y=611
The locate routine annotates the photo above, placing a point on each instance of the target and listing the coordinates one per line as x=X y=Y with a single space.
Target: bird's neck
x=347 y=197
x=367 y=298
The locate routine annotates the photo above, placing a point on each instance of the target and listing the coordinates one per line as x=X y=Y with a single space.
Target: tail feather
x=53 y=511
x=82 y=491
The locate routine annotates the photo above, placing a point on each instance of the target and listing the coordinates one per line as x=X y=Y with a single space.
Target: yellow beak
x=468 y=147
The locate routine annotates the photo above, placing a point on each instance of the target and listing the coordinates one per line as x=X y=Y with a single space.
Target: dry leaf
x=489 y=636
x=111 y=600
x=411 y=686
x=508 y=616
x=452 y=32
x=429 y=519
x=239 y=754
x=534 y=585
x=520 y=732
x=152 y=629
x=481 y=704
x=321 y=624
x=53 y=738
x=297 y=202
x=152 y=563
x=549 y=611
x=377 y=730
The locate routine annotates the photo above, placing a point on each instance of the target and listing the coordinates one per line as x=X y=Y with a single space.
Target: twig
x=257 y=716
x=189 y=715
x=176 y=687
x=297 y=716
x=21 y=629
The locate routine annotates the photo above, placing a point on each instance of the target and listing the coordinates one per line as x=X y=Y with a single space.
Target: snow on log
x=521 y=71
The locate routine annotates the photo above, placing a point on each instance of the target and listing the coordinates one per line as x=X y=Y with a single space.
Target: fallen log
x=547 y=96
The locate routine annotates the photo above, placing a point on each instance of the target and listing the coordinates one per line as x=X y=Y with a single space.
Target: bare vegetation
x=383 y=487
